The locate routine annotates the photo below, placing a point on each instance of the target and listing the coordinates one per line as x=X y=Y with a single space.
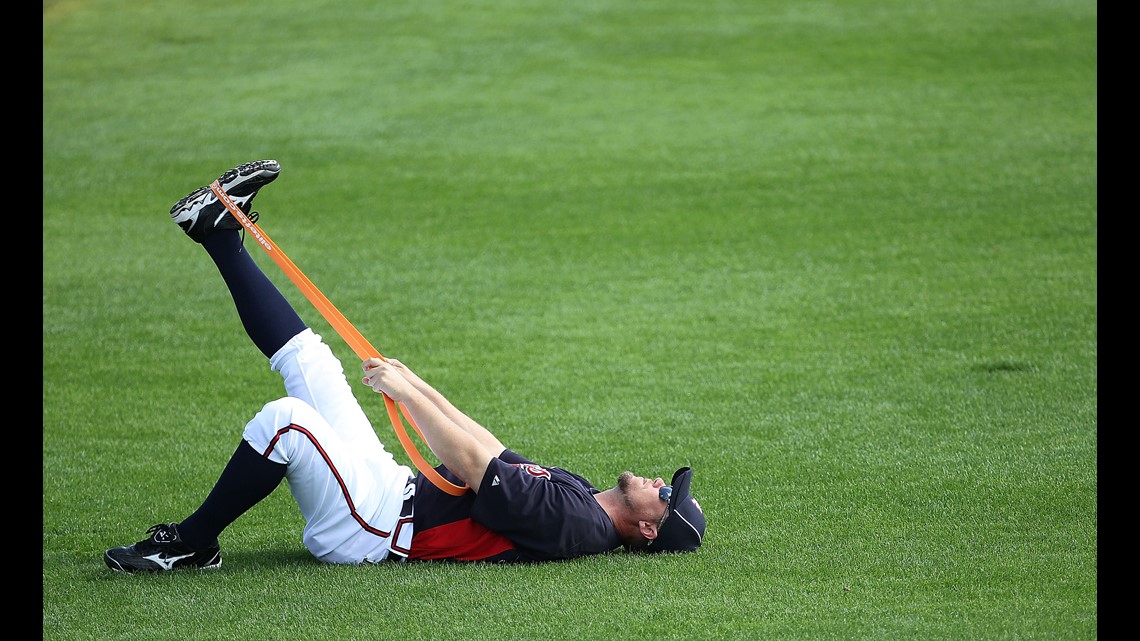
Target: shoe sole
x=256 y=174
x=118 y=567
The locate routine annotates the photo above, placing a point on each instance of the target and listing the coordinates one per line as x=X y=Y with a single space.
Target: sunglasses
x=665 y=493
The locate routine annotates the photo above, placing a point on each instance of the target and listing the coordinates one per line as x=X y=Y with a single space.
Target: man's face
x=643 y=496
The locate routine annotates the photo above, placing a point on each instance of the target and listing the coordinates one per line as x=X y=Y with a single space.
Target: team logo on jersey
x=534 y=470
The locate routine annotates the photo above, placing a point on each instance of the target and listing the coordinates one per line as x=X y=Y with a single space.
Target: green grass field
x=839 y=257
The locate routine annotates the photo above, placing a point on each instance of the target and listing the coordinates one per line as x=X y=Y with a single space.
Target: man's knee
x=263 y=430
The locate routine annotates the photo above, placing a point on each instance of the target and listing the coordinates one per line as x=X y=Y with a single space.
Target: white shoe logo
x=167 y=562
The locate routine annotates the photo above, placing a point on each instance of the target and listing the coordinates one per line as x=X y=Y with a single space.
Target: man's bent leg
x=350 y=503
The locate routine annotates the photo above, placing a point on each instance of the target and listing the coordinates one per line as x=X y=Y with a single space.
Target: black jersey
x=523 y=512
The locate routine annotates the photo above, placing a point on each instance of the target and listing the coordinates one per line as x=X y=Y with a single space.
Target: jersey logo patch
x=534 y=470
x=496 y=481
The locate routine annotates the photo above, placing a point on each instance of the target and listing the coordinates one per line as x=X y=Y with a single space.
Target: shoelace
x=160 y=533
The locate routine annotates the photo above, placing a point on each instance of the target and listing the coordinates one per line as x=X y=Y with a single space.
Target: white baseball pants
x=349 y=488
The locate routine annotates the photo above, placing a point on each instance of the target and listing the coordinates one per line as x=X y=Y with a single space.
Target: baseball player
x=359 y=504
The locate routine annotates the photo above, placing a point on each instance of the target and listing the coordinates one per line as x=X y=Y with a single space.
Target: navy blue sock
x=248 y=478
x=267 y=316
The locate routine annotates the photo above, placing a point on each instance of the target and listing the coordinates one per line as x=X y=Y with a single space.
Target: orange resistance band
x=350 y=334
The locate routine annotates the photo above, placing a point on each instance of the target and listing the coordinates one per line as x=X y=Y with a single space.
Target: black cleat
x=164 y=550
x=200 y=212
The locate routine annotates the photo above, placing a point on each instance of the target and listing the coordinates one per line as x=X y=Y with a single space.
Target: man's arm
x=489 y=441
x=458 y=450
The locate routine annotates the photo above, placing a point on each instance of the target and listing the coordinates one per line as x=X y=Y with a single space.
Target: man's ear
x=648 y=529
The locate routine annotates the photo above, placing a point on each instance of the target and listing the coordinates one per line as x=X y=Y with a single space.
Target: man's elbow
x=473 y=467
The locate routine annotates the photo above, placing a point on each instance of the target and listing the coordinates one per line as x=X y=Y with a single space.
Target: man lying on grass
x=359 y=504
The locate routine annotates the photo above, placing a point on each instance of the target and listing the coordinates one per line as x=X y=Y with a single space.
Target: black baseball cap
x=684 y=528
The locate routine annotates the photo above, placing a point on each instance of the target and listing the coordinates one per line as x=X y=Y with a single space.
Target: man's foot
x=200 y=212
x=164 y=550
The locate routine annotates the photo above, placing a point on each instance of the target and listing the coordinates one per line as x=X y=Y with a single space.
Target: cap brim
x=681 y=480
x=684 y=529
